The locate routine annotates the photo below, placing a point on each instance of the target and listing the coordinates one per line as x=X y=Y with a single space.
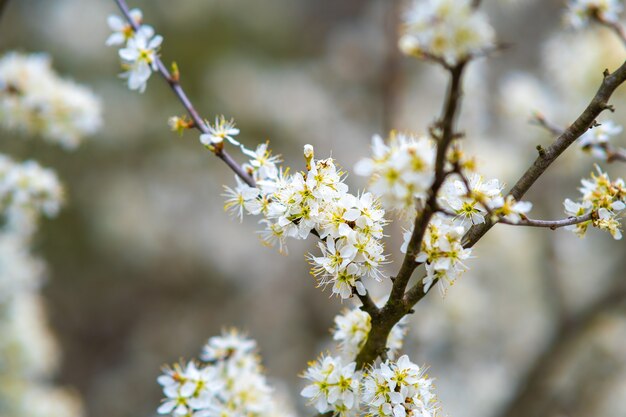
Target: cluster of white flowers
x=579 y=12
x=140 y=48
x=230 y=383
x=471 y=206
x=451 y=30
x=224 y=129
x=395 y=388
x=36 y=101
x=399 y=389
x=335 y=386
x=315 y=201
x=26 y=190
x=401 y=171
x=605 y=197
x=352 y=327
x=441 y=251
x=28 y=350
x=597 y=140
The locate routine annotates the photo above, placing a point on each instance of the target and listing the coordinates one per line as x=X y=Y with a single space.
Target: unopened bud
x=308 y=155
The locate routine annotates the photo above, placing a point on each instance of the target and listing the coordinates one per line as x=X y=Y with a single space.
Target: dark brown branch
x=396 y=306
x=613 y=153
x=178 y=90
x=368 y=305
x=450 y=112
x=547 y=156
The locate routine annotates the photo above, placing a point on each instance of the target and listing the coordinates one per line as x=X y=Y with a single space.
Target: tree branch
x=369 y=306
x=613 y=153
x=614 y=26
x=182 y=97
x=393 y=309
x=551 y=224
x=396 y=307
x=598 y=104
x=539 y=119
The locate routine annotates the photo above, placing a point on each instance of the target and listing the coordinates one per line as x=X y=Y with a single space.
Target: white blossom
x=441 y=251
x=451 y=30
x=26 y=191
x=607 y=198
x=222 y=129
x=399 y=388
x=510 y=209
x=579 y=12
x=596 y=140
x=139 y=59
x=400 y=171
x=470 y=206
x=334 y=386
x=36 y=101
x=351 y=330
x=229 y=383
x=230 y=345
x=123 y=31
x=317 y=200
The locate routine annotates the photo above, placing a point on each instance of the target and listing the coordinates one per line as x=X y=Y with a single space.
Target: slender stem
x=368 y=304
x=540 y=120
x=614 y=26
x=551 y=224
x=184 y=99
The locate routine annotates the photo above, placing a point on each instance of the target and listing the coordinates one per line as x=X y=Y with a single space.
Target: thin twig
x=614 y=26
x=612 y=153
x=551 y=224
x=539 y=119
x=368 y=304
x=182 y=97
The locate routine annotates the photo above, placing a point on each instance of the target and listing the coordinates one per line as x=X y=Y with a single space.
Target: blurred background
x=143 y=265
